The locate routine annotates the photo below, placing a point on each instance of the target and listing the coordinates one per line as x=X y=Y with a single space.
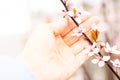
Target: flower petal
x=101 y=63
x=95 y=61
x=78 y=19
x=96 y=50
x=70 y=13
x=108 y=46
x=114 y=47
x=106 y=58
x=79 y=34
x=117 y=61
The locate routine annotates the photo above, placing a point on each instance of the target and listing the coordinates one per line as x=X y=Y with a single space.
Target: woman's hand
x=52 y=53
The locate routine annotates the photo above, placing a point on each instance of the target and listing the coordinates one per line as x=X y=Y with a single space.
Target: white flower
x=71 y=13
x=75 y=14
x=106 y=58
x=101 y=61
x=110 y=49
x=116 y=63
x=78 y=31
x=91 y=50
x=78 y=19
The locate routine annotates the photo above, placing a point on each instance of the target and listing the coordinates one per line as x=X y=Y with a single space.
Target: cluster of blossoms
x=97 y=46
x=78 y=31
x=75 y=14
x=93 y=50
x=108 y=50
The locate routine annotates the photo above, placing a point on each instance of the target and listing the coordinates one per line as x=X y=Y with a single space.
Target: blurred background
x=19 y=17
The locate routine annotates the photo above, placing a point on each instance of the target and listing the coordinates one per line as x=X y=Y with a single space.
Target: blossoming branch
x=97 y=46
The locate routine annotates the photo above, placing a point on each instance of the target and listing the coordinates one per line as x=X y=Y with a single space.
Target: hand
x=52 y=53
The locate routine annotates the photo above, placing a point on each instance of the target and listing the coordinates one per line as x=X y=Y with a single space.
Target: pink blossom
x=78 y=31
x=116 y=63
x=101 y=61
x=91 y=50
x=75 y=14
x=112 y=49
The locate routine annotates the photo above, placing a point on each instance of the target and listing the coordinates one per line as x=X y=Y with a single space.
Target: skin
x=52 y=53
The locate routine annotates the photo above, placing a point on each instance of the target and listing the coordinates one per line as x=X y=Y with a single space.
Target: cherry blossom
x=116 y=63
x=91 y=50
x=78 y=31
x=101 y=61
x=75 y=14
x=112 y=49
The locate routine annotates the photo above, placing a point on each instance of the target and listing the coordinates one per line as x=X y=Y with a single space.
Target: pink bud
x=102 y=45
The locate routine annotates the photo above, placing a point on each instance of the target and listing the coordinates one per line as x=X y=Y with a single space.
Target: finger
x=70 y=40
x=63 y=26
x=80 y=45
x=81 y=58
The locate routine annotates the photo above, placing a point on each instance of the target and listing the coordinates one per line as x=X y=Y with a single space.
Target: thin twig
x=113 y=71
x=64 y=4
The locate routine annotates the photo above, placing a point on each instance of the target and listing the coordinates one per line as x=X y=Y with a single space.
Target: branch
x=64 y=4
